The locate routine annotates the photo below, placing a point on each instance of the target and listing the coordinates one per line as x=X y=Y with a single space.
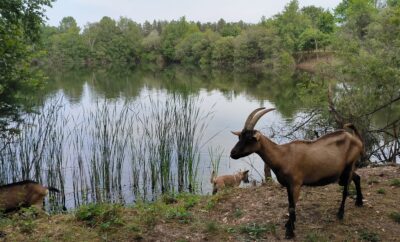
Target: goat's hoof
x=289 y=234
x=339 y=215
x=359 y=203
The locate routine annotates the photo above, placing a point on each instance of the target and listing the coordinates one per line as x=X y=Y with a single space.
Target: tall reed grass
x=111 y=151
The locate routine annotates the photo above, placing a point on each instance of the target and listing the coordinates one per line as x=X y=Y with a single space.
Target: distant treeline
x=270 y=43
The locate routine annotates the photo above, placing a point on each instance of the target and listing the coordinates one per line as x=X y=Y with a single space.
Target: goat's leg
x=293 y=193
x=267 y=171
x=356 y=179
x=344 y=196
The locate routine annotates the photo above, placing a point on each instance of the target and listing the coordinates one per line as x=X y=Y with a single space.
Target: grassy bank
x=244 y=214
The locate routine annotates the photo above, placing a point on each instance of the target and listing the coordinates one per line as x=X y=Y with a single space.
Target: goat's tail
x=53 y=189
x=212 y=177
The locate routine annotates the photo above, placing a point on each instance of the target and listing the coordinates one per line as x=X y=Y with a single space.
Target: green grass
x=180 y=214
x=238 y=213
x=395 y=216
x=395 y=182
x=150 y=213
x=365 y=235
x=255 y=231
x=381 y=191
x=372 y=181
x=213 y=200
x=315 y=237
x=105 y=216
x=211 y=227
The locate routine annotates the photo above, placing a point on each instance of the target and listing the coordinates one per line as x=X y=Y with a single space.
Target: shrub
x=105 y=216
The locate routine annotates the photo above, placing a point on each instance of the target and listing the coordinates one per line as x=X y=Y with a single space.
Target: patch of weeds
x=106 y=216
x=366 y=235
x=215 y=199
x=148 y=213
x=381 y=191
x=137 y=232
x=25 y=220
x=211 y=227
x=4 y=221
x=180 y=214
x=231 y=230
x=238 y=213
x=373 y=181
x=168 y=198
x=255 y=230
x=395 y=216
x=26 y=226
x=395 y=182
x=314 y=237
x=188 y=200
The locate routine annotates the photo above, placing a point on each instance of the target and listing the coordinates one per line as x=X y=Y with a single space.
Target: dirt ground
x=245 y=214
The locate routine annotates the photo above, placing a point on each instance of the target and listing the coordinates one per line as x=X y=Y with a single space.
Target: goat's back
x=325 y=158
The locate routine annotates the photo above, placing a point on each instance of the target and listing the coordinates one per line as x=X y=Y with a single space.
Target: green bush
x=105 y=216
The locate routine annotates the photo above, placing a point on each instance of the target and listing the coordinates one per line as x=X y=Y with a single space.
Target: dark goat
x=325 y=160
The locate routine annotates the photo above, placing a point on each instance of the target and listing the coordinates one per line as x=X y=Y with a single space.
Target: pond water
x=120 y=135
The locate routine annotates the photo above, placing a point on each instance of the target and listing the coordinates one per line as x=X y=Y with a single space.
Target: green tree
x=223 y=52
x=356 y=15
x=151 y=45
x=291 y=23
x=65 y=46
x=20 y=23
x=173 y=33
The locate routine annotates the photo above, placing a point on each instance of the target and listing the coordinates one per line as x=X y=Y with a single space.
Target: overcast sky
x=249 y=11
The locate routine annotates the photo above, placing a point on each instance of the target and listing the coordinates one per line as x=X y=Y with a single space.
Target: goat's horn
x=253 y=122
x=250 y=117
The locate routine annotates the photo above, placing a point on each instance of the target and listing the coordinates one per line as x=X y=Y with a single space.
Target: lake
x=121 y=136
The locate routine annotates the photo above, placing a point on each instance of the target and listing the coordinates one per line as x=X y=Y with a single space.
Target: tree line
x=270 y=43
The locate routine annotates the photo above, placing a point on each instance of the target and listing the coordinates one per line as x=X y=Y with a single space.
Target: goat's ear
x=257 y=136
x=246 y=171
x=237 y=133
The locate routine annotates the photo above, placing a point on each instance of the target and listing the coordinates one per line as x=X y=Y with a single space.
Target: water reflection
x=282 y=90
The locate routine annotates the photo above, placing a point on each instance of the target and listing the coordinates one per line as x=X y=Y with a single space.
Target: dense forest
x=270 y=43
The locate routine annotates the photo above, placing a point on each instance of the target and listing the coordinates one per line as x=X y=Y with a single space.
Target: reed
x=112 y=151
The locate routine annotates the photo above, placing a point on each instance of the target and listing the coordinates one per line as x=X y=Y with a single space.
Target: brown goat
x=221 y=182
x=325 y=160
x=23 y=194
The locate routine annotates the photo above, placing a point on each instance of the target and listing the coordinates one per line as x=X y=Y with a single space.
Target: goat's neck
x=270 y=152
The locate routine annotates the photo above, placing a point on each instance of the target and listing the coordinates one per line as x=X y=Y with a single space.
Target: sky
x=250 y=11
